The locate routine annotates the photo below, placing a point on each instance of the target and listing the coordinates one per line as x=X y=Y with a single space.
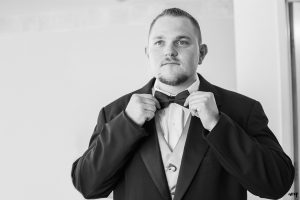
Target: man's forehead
x=172 y=25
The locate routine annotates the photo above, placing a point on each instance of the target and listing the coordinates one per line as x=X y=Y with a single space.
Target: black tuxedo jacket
x=239 y=154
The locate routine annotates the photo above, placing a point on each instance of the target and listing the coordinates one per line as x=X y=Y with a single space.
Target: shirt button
x=172 y=167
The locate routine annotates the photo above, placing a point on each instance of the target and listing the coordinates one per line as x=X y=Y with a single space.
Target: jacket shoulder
x=234 y=104
x=232 y=96
x=239 y=107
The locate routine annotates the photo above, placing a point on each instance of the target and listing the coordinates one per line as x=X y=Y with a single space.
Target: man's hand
x=203 y=105
x=141 y=108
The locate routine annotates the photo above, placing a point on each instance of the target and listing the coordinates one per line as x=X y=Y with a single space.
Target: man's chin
x=173 y=81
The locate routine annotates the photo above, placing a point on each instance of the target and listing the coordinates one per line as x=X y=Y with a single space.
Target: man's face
x=173 y=50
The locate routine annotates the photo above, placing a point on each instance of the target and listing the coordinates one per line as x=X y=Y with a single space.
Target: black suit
x=239 y=154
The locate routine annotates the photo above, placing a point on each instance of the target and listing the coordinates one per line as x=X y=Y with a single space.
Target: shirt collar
x=192 y=88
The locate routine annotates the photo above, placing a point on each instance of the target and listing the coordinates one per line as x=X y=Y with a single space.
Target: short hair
x=176 y=12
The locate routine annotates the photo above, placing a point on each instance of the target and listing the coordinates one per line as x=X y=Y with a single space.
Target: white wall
x=262 y=64
x=61 y=61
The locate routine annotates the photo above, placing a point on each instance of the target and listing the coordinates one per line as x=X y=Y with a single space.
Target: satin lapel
x=195 y=146
x=194 y=151
x=151 y=156
x=150 y=152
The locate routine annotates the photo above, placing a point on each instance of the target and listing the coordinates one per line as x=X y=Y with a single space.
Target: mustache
x=170 y=61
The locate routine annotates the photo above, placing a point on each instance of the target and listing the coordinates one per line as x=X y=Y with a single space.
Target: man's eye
x=158 y=43
x=182 y=42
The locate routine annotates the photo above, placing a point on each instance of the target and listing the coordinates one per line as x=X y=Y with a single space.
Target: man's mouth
x=170 y=63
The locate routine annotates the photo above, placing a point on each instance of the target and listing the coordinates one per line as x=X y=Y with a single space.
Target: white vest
x=172 y=159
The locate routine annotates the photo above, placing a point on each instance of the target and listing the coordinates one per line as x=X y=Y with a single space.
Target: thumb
x=186 y=101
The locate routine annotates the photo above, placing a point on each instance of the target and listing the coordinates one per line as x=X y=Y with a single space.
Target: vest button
x=172 y=167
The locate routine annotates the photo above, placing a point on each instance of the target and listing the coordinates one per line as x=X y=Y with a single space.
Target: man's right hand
x=141 y=108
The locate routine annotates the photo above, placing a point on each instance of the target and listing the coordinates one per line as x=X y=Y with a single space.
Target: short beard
x=178 y=81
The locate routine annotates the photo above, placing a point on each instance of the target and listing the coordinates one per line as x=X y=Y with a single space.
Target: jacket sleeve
x=97 y=171
x=252 y=154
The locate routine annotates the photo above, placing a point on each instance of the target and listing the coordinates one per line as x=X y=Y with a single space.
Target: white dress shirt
x=173 y=118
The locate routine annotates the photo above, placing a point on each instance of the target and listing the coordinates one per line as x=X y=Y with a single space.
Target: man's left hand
x=203 y=105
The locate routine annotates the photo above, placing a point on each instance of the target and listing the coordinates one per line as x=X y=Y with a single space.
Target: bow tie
x=164 y=100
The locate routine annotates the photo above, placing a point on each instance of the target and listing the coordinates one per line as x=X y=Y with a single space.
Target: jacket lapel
x=194 y=151
x=150 y=152
x=195 y=146
x=151 y=156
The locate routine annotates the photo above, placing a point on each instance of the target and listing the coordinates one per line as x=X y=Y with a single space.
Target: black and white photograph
x=149 y=100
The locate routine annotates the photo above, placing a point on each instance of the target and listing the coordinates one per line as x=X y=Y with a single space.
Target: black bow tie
x=164 y=100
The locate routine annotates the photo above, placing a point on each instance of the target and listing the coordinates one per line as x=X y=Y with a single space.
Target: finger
x=201 y=98
x=151 y=101
x=149 y=115
x=149 y=107
x=187 y=101
x=192 y=112
x=208 y=100
x=197 y=104
x=148 y=96
x=198 y=101
x=152 y=98
x=193 y=95
x=156 y=103
x=194 y=107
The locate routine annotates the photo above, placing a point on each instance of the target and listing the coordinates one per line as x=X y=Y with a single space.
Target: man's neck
x=178 y=88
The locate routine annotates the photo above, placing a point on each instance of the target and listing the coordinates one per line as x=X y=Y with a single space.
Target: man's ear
x=203 y=51
x=147 y=51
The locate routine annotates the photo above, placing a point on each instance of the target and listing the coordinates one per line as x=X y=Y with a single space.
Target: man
x=180 y=137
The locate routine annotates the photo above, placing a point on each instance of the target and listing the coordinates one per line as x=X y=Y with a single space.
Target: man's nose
x=170 y=50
